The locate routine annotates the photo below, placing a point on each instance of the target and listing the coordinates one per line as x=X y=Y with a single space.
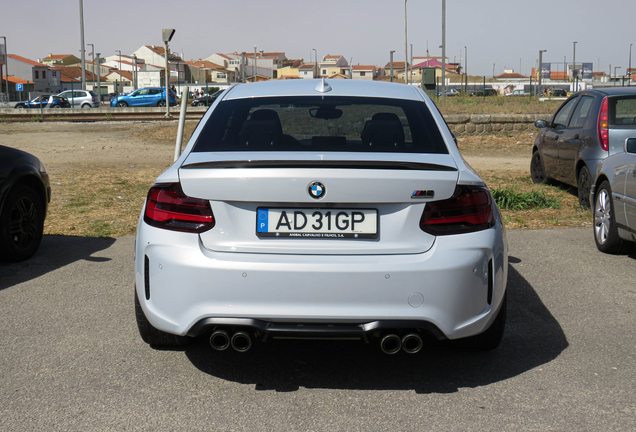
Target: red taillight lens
x=169 y=208
x=603 y=125
x=470 y=209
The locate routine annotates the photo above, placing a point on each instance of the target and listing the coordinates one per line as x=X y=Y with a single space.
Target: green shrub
x=511 y=199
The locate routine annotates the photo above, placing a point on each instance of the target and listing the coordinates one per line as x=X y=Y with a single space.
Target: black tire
x=86 y=106
x=161 y=103
x=537 y=171
x=21 y=224
x=20 y=107
x=605 y=228
x=121 y=104
x=155 y=337
x=57 y=106
x=490 y=339
x=584 y=183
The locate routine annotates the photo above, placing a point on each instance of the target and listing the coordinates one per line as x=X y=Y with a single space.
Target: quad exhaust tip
x=391 y=344
x=220 y=340
x=412 y=343
x=241 y=341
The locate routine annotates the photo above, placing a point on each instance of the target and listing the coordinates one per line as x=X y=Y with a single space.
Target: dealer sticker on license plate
x=317 y=223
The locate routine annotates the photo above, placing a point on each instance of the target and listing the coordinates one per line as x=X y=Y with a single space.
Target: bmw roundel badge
x=316 y=190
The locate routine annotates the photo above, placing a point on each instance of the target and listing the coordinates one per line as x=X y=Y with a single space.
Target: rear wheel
x=21 y=224
x=86 y=106
x=155 y=337
x=605 y=229
x=536 y=169
x=584 y=182
x=161 y=103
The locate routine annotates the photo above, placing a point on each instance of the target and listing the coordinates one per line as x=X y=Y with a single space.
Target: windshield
x=317 y=123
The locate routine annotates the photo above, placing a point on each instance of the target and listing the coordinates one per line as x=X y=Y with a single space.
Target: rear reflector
x=169 y=208
x=470 y=209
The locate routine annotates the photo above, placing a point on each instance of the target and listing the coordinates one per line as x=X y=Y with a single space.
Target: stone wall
x=462 y=124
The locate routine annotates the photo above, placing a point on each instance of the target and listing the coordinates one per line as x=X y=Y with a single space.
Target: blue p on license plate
x=317 y=223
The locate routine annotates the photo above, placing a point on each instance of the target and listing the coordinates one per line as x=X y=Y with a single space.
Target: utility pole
x=99 y=84
x=406 y=49
x=93 y=60
x=540 y=90
x=391 y=60
x=576 y=88
x=119 y=87
x=83 y=50
x=443 y=48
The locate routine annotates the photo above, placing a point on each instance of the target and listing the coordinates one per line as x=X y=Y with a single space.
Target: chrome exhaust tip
x=220 y=340
x=391 y=344
x=412 y=343
x=241 y=341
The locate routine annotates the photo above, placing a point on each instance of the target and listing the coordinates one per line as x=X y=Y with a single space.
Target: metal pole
x=629 y=70
x=316 y=60
x=411 y=67
x=119 y=89
x=99 y=84
x=6 y=66
x=93 y=59
x=83 y=50
x=184 y=104
x=406 y=49
x=466 y=68
x=574 y=67
x=444 y=48
x=391 y=70
x=167 y=78
x=243 y=67
x=135 y=73
x=255 y=65
x=540 y=70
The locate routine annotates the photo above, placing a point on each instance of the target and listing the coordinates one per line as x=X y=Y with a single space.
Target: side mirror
x=541 y=124
x=630 y=145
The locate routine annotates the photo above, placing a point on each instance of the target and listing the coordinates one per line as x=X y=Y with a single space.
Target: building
x=332 y=65
x=43 y=79
x=362 y=72
x=60 y=60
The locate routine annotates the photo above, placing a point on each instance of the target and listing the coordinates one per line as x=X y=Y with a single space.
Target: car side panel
x=630 y=191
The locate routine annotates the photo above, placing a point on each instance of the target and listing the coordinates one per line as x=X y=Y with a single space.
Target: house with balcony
x=332 y=65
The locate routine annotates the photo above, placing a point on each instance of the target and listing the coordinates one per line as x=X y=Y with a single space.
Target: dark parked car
x=588 y=127
x=48 y=101
x=206 y=100
x=25 y=193
x=614 y=199
x=557 y=92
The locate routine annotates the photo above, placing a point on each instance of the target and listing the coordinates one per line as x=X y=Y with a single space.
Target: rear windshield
x=317 y=123
x=622 y=111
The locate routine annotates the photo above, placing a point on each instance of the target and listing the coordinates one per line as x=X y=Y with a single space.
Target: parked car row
x=590 y=143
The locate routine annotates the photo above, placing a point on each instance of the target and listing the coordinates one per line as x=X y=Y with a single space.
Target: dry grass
x=496 y=105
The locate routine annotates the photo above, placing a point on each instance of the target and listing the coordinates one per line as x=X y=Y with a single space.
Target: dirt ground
x=63 y=146
x=100 y=172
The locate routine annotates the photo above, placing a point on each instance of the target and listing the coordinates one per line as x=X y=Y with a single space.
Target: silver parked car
x=315 y=209
x=614 y=198
x=81 y=98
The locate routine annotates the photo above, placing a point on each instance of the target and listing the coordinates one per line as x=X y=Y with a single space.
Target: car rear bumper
x=453 y=290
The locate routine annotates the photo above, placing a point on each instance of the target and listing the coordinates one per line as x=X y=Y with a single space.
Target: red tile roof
x=16 y=80
x=363 y=68
x=57 y=56
x=25 y=60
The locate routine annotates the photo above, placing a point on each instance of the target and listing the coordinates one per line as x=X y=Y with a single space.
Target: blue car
x=46 y=101
x=148 y=96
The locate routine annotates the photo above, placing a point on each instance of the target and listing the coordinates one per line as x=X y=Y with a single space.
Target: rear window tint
x=622 y=111
x=316 y=123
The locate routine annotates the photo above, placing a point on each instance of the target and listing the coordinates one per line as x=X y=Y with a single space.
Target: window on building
x=324 y=71
x=43 y=74
x=362 y=74
x=36 y=74
x=220 y=75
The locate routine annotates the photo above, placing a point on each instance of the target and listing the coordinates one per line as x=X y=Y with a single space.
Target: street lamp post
x=6 y=65
x=99 y=84
x=93 y=61
x=574 y=67
x=466 y=68
x=443 y=48
x=391 y=63
x=166 y=35
x=119 y=87
x=540 y=89
x=629 y=70
x=316 y=60
x=81 y=11
x=406 y=49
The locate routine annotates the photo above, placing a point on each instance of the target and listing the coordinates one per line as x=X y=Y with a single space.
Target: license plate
x=317 y=223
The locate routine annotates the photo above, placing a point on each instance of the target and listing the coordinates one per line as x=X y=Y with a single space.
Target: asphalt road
x=71 y=357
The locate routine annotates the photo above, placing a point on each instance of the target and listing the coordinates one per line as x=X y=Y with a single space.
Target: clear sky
x=499 y=33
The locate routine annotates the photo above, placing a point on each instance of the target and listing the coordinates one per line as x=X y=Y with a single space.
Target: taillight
x=470 y=209
x=603 y=125
x=169 y=208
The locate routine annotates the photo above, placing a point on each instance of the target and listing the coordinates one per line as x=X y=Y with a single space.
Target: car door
x=137 y=98
x=630 y=184
x=552 y=135
x=573 y=138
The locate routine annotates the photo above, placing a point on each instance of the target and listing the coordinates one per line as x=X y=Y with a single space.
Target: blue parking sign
x=18 y=87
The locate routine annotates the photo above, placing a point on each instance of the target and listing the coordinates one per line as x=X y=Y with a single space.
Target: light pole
x=93 y=60
x=540 y=90
x=6 y=65
x=135 y=73
x=316 y=65
x=99 y=84
x=166 y=35
x=255 y=65
x=466 y=68
x=444 y=48
x=411 y=68
x=81 y=11
x=391 y=63
x=574 y=67
x=629 y=70
x=119 y=87
x=406 y=49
